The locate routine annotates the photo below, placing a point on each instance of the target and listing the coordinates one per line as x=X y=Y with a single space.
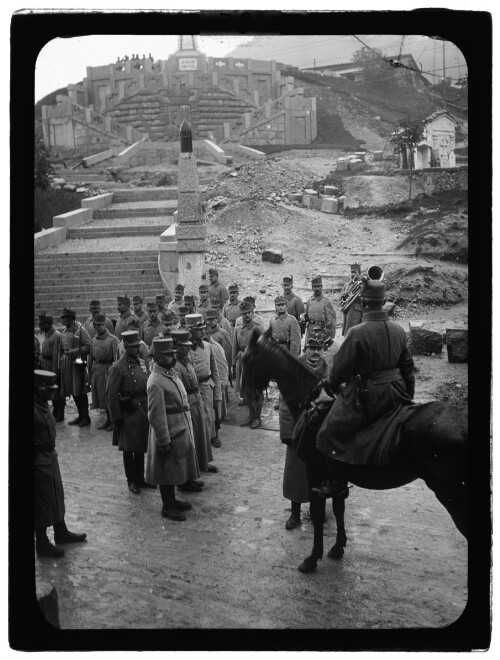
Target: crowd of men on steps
x=162 y=378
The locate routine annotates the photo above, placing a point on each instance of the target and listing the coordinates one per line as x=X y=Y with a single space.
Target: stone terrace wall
x=437 y=178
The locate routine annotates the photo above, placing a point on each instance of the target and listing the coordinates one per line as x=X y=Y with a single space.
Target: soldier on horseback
x=377 y=367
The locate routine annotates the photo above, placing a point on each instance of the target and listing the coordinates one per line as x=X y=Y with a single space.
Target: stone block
x=316 y=203
x=69 y=186
x=361 y=155
x=355 y=165
x=187 y=173
x=188 y=245
x=97 y=201
x=169 y=235
x=191 y=231
x=329 y=205
x=457 y=344
x=191 y=269
x=72 y=218
x=274 y=256
x=350 y=202
x=49 y=237
x=189 y=207
x=341 y=164
x=378 y=155
x=390 y=308
x=306 y=200
x=331 y=190
x=294 y=197
x=423 y=341
x=340 y=202
x=310 y=191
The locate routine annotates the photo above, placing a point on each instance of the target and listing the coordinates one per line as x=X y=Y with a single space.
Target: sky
x=64 y=61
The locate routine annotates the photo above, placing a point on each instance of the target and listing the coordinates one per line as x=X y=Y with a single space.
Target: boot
x=256 y=423
x=63 y=535
x=44 y=547
x=294 y=520
x=169 y=508
x=190 y=487
x=84 y=422
x=182 y=505
x=75 y=422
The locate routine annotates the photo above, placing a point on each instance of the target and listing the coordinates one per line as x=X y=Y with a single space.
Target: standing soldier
x=161 y=302
x=231 y=310
x=205 y=303
x=171 y=457
x=241 y=339
x=143 y=347
x=256 y=317
x=95 y=309
x=125 y=316
x=216 y=289
x=223 y=369
x=294 y=304
x=184 y=368
x=177 y=301
x=152 y=326
x=49 y=491
x=139 y=312
x=354 y=314
x=318 y=307
x=221 y=336
x=73 y=351
x=222 y=321
x=50 y=359
x=295 y=484
x=205 y=367
x=127 y=404
x=183 y=310
x=103 y=352
x=189 y=302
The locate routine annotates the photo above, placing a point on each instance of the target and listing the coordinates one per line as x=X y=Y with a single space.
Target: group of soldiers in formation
x=162 y=378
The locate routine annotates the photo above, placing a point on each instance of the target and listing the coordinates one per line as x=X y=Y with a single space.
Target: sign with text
x=188 y=64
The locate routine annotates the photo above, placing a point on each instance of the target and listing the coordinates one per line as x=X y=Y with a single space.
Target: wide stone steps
x=137 y=209
x=47 y=279
x=122 y=195
x=107 y=232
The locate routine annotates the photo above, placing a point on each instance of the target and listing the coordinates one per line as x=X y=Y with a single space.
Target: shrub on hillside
x=51 y=202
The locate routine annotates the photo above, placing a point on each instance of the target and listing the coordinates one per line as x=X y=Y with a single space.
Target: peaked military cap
x=245 y=307
x=137 y=300
x=313 y=342
x=45 y=318
x=233 y=287
x=280 y=300
x=99 y=318
x=317 y=280
x=357 y=266
x=45 y=378
x=195 y=322
x=165 y=345
x=288 y=280
x=188 y=298
x=203 y=288
x=94 y=303
x=152 y=307
x=249 y=299
x=130 y=338
x=183 y=309
x=211 y=314
x=179 y=288
x=160 y=297
x=123 y=299
x=68 y=312
x=181 y=336
x=213 y=271
x=373 y=290
x=167 y=316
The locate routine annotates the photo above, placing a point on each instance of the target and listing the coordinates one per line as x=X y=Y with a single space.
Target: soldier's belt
x=380 y=377
x=176 y=411
x=204 y=379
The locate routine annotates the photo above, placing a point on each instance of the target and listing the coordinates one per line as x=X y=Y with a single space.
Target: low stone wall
x=439 y=178
x=49 y=237
x=72 y=218
x=97 y=201
x=146 y=153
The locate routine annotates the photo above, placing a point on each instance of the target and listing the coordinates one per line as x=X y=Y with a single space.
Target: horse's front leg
x=340 y=492
x=318 y=506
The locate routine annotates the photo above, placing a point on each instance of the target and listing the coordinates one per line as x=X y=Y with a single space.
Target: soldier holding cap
x=204 y=304
x=215 y=288
x=73 y=351
x=231 y=310
x=241 y=339
x=103 y=352
x=185 y=370
x=138 y=311
x=152 y=326
x=95 y=308
x=294 y=304
x=178 y=300
x=318 y=307
x=171 y=458
x=128 y=408
x=205 y=367
x=354 y=314
x=295 y=484
x=377 y=366
x=125 y=316
x=49 y=359
x=49 y=491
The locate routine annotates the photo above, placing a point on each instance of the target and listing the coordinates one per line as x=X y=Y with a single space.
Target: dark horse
x=431 y=445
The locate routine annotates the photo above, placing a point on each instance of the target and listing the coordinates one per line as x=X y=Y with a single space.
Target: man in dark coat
x=73 y=352
x=95 y=309
x=231 y=309
x=138 y=311
x=319 y=308
x=152 y=326
x=204 y=305
x=103 y=352
x=127 y=404
x=123 y=303
x=49 y=492
x=354 y=314
x=50 y=359
x=294 y=304
x=377 y=367
x=177 y=301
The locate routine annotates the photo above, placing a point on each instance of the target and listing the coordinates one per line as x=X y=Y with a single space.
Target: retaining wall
x=440 y=178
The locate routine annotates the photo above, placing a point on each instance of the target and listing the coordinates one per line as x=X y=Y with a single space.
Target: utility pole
x=444 y=65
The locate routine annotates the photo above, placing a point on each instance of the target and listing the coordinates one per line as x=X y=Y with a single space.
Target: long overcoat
x=126 y=397
x=103 y=352
x=295 y=484
x=50 y=351
x=320 y=308
x=185 y=370
x=170 y=426
x=49 y=492
x=241 y=339
x=377 y=367
x=205 y=364
x=74 y=376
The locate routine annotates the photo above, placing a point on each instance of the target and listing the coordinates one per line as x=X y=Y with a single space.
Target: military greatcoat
x=294 y=305
x=295 y=484
x=150 y=330
x=185 y=370
x=50 y=351
x=73 y=376
x=205 y=367
x=49 y=492
x=321 y=309
x=127 y=401
x=219 y=292
x=231 y=312
x=241 y=339
x=89 y=326
x=170 y=426
x=123 y=322
x=103 y=352
x=377 y=367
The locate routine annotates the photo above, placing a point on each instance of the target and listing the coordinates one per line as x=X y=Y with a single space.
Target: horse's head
x=256 y=376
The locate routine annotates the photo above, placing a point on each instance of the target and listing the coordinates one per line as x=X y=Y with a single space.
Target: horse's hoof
x=336 y=553
x=308 y=565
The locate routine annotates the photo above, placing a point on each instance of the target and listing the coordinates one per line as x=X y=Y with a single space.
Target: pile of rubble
x=81 y=187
